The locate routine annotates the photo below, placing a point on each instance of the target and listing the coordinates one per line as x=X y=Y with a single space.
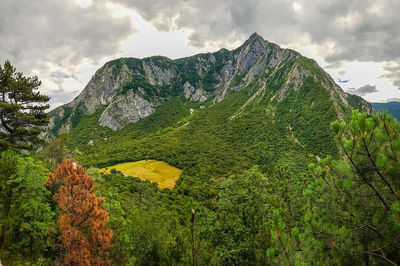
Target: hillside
x=211 y=115
x=392 y=107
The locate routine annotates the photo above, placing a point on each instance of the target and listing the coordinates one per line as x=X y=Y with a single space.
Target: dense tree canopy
x=25 y=209
x=242 y=224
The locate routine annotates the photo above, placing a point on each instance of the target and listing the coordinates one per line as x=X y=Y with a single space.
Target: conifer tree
x=354 y=202
x=84 y=236
x=22 y=109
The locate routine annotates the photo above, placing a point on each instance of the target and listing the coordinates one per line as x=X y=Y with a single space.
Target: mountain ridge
x=207 y=77
x=393 y=107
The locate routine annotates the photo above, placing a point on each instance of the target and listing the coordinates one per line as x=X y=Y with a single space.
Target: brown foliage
x=85 y=239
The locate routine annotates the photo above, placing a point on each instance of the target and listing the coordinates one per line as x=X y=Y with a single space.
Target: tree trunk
x=365 y=255
x=192 y=236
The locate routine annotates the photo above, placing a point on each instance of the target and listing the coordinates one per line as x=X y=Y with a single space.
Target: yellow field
x=155 y=171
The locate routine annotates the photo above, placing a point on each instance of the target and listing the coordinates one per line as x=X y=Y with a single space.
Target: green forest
x=282 y=183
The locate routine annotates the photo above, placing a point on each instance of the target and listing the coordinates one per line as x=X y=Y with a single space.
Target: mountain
x=391 y=107
x=211 y=114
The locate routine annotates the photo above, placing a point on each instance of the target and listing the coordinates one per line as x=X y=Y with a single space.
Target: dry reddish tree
x=85 y=239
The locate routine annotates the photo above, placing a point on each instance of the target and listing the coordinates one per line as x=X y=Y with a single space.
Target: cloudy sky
x=65 y=42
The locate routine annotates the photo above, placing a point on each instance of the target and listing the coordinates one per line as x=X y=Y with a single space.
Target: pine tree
x=85 y=239
x=22 y=110
x=354 y=209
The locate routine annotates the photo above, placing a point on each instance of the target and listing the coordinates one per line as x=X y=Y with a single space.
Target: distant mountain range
x=391 y=107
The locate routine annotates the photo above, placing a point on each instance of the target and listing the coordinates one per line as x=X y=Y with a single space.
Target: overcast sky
x=65 y=42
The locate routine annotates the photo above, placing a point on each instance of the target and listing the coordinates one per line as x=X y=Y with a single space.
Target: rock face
x=126 y=109
x=128 y=89
x=102 y=88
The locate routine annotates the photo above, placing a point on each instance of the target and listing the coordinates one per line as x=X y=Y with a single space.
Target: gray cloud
x=362 y=91
x=392 y=73
x=60 y=75
x=46 y=35
x=356 y=29
x=219 y=22
x=61 y=96
x=35 y=33
x=393 y=100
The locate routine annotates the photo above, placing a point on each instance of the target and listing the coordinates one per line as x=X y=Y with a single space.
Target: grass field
x=155 y=171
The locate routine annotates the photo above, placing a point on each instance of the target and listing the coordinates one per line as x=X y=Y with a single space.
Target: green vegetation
x=359 y=217
x=77 y=115
x=342 y=209
x=74 y=115
x=133 y=64
x=210 y=142
x=139 y=82
x=161 y=173
x=22 y=110
x=59 y=121
x=263 y=177
x=25 y=208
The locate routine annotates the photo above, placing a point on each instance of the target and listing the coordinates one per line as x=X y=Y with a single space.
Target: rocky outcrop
x=188 y=89
x=294 y=81
x=199 y=95
x=250 y=53
x=157 y=75
x=103 y=86
x=126 y=109
x=196 y=95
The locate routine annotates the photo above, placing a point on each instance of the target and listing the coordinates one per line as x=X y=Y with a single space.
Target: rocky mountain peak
x=254 y=38
x=254 y=42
